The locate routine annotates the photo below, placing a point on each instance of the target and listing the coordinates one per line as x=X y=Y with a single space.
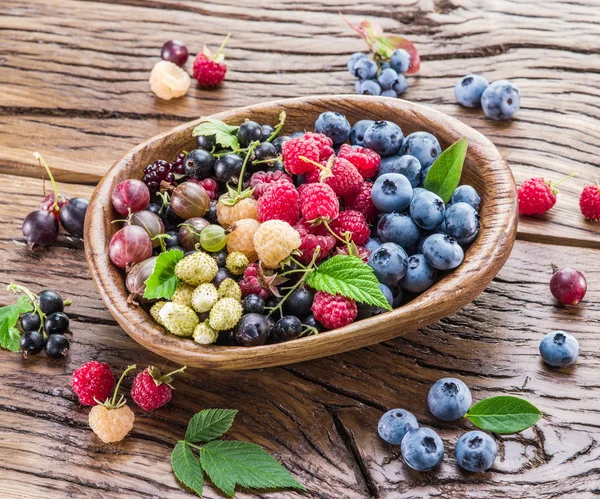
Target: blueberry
x=462 y=223
x=384 y=65
x=267 y=131
x=253 y=304
x=420 y=276
x=228 y=168
x=297 y=135
x=199 y=164
x=396 y=423
x=398 y=296
x=424 y=174
x=400 y=60
x=365 y=68
x=279 y=140
x=50 y=301
x=334 y=125
x=407 y=165
x=423 y=146
x=559 y=348
x=501 y=100
x=389 y=93
x=31 y=322
x=449 y=399
x=476 y=451
x=357 y=133
x=369 y=87
x=389 y=262
x=422 y=449
x=365 y=310
x=206 y=142
x=391 y=192
x=252 y=330
x=32 y=343
x=373 y=243
x=248 y=132
x=384 y=137
x=442 y=252
x=427 y=210
x=354 y=58
x=401 y=85
x=56 y=346
x=289 y=327
x=466 y=194
x=398 y=228
x=387 y=78
x=468 y=90
x=358 y=86
x=299 y=302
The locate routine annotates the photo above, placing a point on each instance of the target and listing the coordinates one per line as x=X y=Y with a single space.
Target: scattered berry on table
x=422 y=449
x=279 y=202
x=400 y=86
x=406 y=165
x=398 y=228
x=466 y=194
x=40 y=229
x=537 y=196
x=396 y=423
x=151 y=389
x=568 y=285
x=274 y=241
x=54 y=204
x=56 y=346
x=383 y=137
x=420 y=276
x=333 y=311
x=32 y=343
x=559 y=349
x=50 y=301
x=368 y=87
x=334 y=125
x=354 y=58
x=241 y=237
x=174 y=51
x=210 y=69
x=449 y=399
x=442 y=252
x=318 y=202
x=366 y=161
x=56 y=323
x=387 y=78
x=31 y=321
x=476 y=451
x=365 y=68
x=589 y=202
x=225 y=314
x=391 y=192
x=72 y=216
x=400 y=61
x=423 y=146
x=500 y=100
x=93 y=382
x=468 y=90
x=390 y=263
x=169 y=81
x=357 y=132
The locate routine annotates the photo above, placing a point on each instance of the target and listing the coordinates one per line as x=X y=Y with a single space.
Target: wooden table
x=73 y=86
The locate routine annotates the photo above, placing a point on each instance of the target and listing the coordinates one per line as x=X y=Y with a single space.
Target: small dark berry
x=57 y=346
x=228 y=168
x=220 y=258
x=287 y=328
x=199 y=164
x=56 y=323
x=267 y=130
x=155 y=208
x=299 y=303
x=253 y=304
x=31 y=322
x=310 y=321
x=211 y=214
x=174 y=241
x=279 y=140
x=248 y=132
x=206 y=142
x=252 y=330
x=222 y=274
x=50 y=301
x=32 y=343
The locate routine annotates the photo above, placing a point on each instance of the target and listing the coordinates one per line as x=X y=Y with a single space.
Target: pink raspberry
x=293 y=149
x=354 y=222
x=311 y=237
x=324 y=143
x=279 y=202
x=250 y=283
x=361 y=201
x=365 y=160
x=260 y=181
x=339 y=173
x=318 y=202
x=333 y=311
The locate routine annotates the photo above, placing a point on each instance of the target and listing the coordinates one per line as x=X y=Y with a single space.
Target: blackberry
x=178 y=165
x=157 y=172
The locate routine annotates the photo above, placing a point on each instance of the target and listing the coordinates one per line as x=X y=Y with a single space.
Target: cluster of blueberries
x=499 y=100
x=449 y=399
x=385 y=78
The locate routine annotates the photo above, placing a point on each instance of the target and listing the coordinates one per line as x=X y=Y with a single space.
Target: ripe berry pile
x=252 y=220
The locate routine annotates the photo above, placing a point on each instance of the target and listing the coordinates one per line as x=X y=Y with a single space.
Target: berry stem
x=278 y=128
x=33 y=298
x=180 y=370
x=328 y=227
x=43 y=163
x=161 y=239
x=308 y=331
x=193 y=445
x=562 y=180
x=251 y=148
x=268 y=160
x=165 y=200
x=218 y=52
x=113 y=402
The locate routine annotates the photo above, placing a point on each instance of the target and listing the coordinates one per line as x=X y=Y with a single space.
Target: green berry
x=225 y=314
x=196 y=269
x=204 y=297
x=183 y=294
x=213 y=238
x=230 y=289
x=237 y=262
x=155 y=311
x=179 y=319
x=204 y=334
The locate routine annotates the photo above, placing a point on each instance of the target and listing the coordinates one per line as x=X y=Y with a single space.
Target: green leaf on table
x=162 y=283
x=209 y=424
x=348 y=276
x=231 y=463
x=186 y=467
x=10 y=336
x=504 y=414
x=224 y=134
x=444 y=176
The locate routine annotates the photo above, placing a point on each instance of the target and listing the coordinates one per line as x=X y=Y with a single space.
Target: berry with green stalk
x=210 y=69
x=151 y=389
x=53 y=201
x=537 y=196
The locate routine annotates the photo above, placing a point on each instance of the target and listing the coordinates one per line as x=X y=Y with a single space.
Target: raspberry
x=358 y=251
x=537 y=196
x=318 y=202
x=225 y=314
x=156 y=173
x=256 y=281
x=294 y=148
x=324 y=143
x=279 y=202
x=333 y=311
x=168 y=81
x=353 y=222
x=240 y=238
x=341 y=175
x=227 y=215
x=311 y=237
x=111 y=425
x=209 y=69
x=204 y=334
x=236 y=262
x=261 y=181
x=589 y=202
x=93 y=382
x=361 y=201
x=151 y=389
x=196 y=269
x=365 y=160
x=274 y=241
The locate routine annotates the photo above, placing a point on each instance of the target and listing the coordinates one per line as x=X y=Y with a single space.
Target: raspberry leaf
x=162 y=283
x=504 y=414
x=446 y=170
x=209 y=424
x=186 y=467
x=231 y=463
x=348 y=276
x=225 y=135
x=10 y=336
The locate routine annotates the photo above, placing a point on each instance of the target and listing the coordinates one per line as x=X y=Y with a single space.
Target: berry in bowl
x=297 y=229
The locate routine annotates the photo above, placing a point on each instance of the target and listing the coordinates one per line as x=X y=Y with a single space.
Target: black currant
x=221 y=258
x=31 y=322
x=249 y=131
x=228 y=168
x=265 y=152
x=272 y=301
x=211 y=214
x=267 y=131
x=299 y=302
x=72 y=216
x=155 y=208
x=279 y=140
x=171 y=219
x=174 y=241
x=310 y=321
x=277 y=166
x=252 y=330
x=222 y=274
x=50 y=301
x=32 y=343
x=57 y=346
x=253 y=304
x=206 y=142
x=199 y=164
x=56 y=323
x=226 y=338
x=287 y=328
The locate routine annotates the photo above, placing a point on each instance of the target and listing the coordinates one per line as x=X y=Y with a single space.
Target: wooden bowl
x=484 y=169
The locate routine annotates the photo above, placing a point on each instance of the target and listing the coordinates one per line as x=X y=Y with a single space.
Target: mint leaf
x=348 y=276
x=504 y=414
x=163 y=282
x=225 y=135
x=10 y=336
x=186 y=467
x=230 y=463
x=209 y=424
x=445 y=172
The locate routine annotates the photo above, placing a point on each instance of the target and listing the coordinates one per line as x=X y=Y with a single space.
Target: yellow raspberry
x=183 y=294
x=196 y=269
x=225 y=314
x=230 y=289
x=274 y=241
x=236 y=262
x=155 y=311
x=111 y=425
x=204 y=334
x=240 y=239
x=179 y=319
x=228 y=215
x=204 y=297
x=168 y=81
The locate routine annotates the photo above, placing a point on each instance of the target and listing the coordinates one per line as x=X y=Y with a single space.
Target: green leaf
x=445 y=172
x=504 y=414
x=10 y=336
x=209 y=424
x=225 y=135
x=186 y=467
x=231 y=463
x=348 y=276
x=162 y=283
